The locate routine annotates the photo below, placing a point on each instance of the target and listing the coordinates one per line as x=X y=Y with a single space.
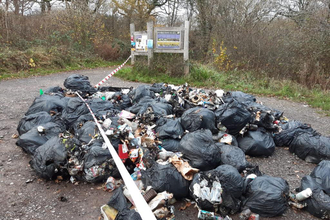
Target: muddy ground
x=24 y=196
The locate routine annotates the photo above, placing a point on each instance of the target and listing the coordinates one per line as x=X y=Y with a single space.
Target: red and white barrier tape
x=112 y=73
x=140 y=203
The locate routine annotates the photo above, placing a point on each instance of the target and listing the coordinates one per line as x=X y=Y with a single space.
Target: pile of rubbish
x=176 y=142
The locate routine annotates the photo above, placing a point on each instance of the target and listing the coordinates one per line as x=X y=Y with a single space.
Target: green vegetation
x=207 y=77
x=41 y=61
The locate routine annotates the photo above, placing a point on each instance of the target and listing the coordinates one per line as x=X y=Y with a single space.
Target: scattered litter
x=29 y=181
x=62 y=199
x=15 y=136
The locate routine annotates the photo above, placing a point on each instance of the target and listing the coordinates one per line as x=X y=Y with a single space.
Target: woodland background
x=283 y=39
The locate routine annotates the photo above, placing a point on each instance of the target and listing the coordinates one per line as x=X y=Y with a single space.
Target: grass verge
x=41 y=71
x=43 y=61
x=205 y=77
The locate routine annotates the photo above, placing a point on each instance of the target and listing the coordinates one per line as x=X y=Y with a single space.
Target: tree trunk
x=16 y=7
x=6 y=20
x=49 y=6
x=43 y=7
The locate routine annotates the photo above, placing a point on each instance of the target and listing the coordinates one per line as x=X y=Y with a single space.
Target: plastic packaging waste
x=304 y=194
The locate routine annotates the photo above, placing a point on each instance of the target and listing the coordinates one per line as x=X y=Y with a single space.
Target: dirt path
x=40 y=199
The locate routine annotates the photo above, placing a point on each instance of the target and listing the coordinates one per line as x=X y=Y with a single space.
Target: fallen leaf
x=185 y=206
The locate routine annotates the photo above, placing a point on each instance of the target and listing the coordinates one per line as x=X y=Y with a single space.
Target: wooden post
x=150 y=32
x=132 y=30
x=186 y=48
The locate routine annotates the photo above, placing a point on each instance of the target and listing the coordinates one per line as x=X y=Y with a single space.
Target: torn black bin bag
x=266 y=121
x=197 y=118
x=49 y=158
x=233 y=115
x=319 y=202
x=128 y=214
x=97 y=156
x=257 y=143
x=169 y=128
x=48 y=103
x=149 y=156
x=221 y=134
x=199 y=148
x=166 y=178
x=33 y=139
x=74 y=109
x=267 y=196
x=124 y=102
x=86 y=133
x=311 y=147
x=233 y=156
x=77 y=82
x=137 y=106
x=231 y=184
x=289 y=131
x=201 y=187
x=118 y=200
x=170 y=144
x=159 y=88
x=321 y=174
x=255 y=107
x=158 y=109
x=32 y=120
x=140 y=92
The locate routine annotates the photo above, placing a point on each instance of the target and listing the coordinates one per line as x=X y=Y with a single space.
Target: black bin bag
x=197 y=118
x=97 y=104
x=140 y=92
x=49 y=158
x=99 y=159
x=170 y=144
x=233 y=156
x=47 y=103
x=166 y=178
x=257 y=143
x=311 y=147
x=267 y=196
x=198 y=147
x=33 y=139
x=232 y=185
x=128 y=214
x=206 y=193
x=77 y=82
x=143 y=101
x=319 y=202
x=158 y=109
x=321 y=174
x=233 y=115
x=169 y=128
x=74 y=109
x=289 y=131
x=32 y=120
x=241 y=97
x=118 y=200
x=87 y=132
x=319 y=182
